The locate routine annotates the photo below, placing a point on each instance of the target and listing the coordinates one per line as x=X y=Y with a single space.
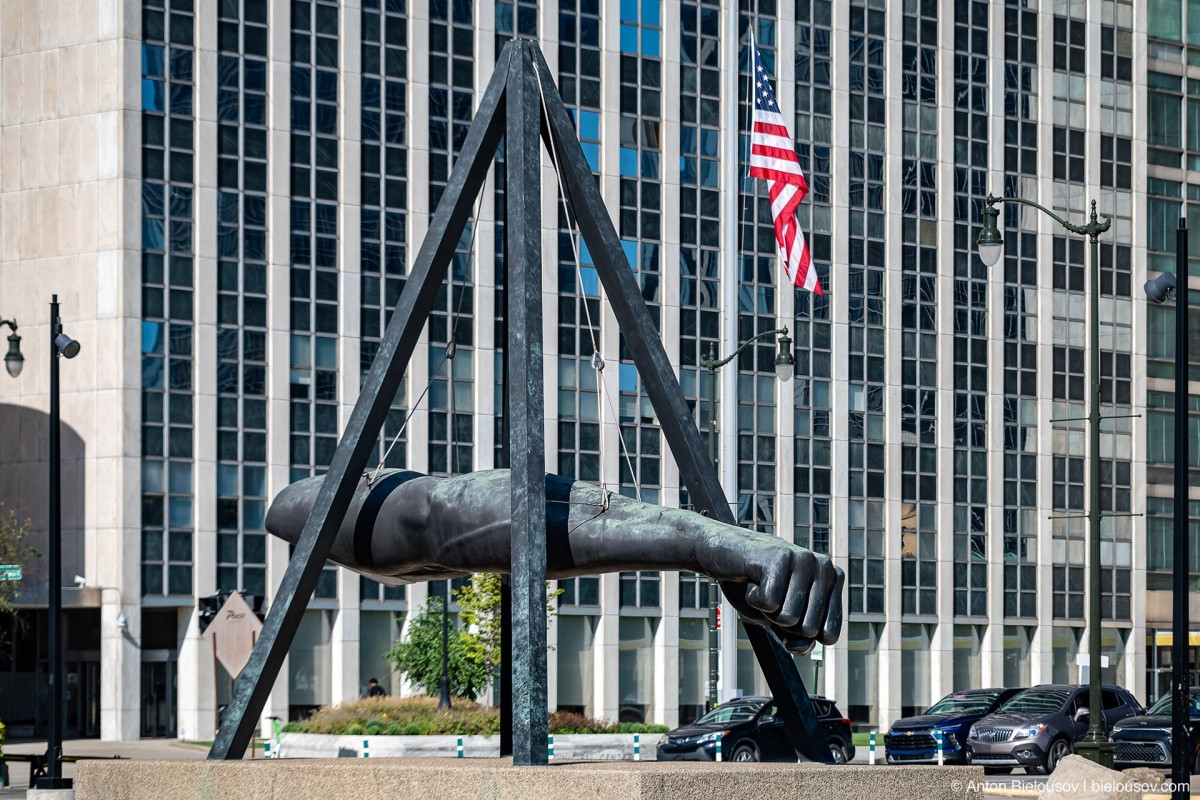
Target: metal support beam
x=513 y=96
x=358 y=440
x=674 y=415
x=527 y=434
x=1181 y=701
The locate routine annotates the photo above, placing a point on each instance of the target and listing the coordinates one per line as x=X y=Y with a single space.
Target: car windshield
x=1040 y=701
x=738 y=712
x=975 y=703
x=1163 y=706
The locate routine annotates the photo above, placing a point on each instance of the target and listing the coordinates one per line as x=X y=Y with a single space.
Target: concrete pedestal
x=472 y=779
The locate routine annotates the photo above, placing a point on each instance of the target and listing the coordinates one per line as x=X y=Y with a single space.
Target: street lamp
x=13 y=361
x=1158 y=291
x=60 y=345
x=1094 y=746
x=784 y=366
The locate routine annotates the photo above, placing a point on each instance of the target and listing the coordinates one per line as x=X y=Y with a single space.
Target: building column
x=665 y=709
x=195 y=693
x=606 y=652
x=418 y=595
x=344 y=640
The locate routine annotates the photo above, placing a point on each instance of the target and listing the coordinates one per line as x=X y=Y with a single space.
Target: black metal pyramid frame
x=511 y=107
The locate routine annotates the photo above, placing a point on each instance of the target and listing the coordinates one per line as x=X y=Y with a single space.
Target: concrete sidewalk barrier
x=496 y=779
x=589 y=746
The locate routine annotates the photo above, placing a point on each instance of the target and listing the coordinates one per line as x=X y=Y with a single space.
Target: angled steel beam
x=527 y=432
x=658 y=378
x=358 y=440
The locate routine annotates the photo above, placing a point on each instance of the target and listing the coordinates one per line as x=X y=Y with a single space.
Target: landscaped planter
x=596 y=746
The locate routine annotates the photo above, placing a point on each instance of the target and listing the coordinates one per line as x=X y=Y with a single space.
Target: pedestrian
x=374 y=689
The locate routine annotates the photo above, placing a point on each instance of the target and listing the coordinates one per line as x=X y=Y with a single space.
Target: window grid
x=639 y=225
x=241 y=297
x=1020 y=421
x=578 y=283
x=515 y=18
x=866 y=231
x=812 y=332
x=1020 y=94
x=758 y=261
x=314 y=235
x=581 y=591
x=699 y=198
x=451 y=106
x=640 y=589
x=384 y=222
x=168 y=30
x=971 y=281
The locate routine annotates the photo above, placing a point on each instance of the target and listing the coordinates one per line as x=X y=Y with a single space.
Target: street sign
x=232 y=633
x=10 y=572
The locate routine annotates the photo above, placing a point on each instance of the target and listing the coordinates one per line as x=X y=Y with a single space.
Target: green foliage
x=13 y=550
x=479 y=604
x=640 y=727
x=291 y=727
x=474 y=648
x=419 y=657
x=1 y=737
x=417 y=716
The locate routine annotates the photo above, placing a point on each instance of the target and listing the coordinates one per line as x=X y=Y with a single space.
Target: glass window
x=635 y=669
x=1165 y=20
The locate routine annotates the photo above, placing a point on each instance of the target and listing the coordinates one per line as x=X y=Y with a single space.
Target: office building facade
x=227 y=196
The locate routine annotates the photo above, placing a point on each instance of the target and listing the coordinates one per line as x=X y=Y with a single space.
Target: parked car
x=1039 y=726
x=1145 y=740
x=749 y=729
x=913 y=740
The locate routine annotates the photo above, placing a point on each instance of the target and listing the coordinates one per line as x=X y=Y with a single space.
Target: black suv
x=750 y=729
x=1145 y=740
x=913 y=740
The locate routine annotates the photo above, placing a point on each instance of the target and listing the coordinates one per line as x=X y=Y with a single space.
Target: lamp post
x=60 y=345
x=784 y=364
x=1158 y=291
x=13 y=360
x=1094 y=745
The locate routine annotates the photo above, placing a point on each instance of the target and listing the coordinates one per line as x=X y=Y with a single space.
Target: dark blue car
x=913 y=740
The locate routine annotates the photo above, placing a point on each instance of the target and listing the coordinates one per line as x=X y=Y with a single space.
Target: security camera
x=80 y=581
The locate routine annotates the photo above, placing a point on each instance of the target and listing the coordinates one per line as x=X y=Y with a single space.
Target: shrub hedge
x=414 y=716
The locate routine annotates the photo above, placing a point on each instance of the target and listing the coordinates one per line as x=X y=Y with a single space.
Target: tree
x=479 y=602
x=475 y=650
x=14 y=549
x=419 y=657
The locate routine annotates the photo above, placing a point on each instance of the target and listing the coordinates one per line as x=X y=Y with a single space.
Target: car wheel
x=838 y=753
x=745 y=752
x=1059 y=749
x=997 y=770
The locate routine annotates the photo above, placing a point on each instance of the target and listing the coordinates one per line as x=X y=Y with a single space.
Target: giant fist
x=405 y=527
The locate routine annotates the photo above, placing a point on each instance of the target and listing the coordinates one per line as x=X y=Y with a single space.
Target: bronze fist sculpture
x=405 y=527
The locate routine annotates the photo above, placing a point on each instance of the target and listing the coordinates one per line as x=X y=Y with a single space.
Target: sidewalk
x=146 y=749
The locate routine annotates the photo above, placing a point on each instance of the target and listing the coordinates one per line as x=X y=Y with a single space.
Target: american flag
x=773 y=158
